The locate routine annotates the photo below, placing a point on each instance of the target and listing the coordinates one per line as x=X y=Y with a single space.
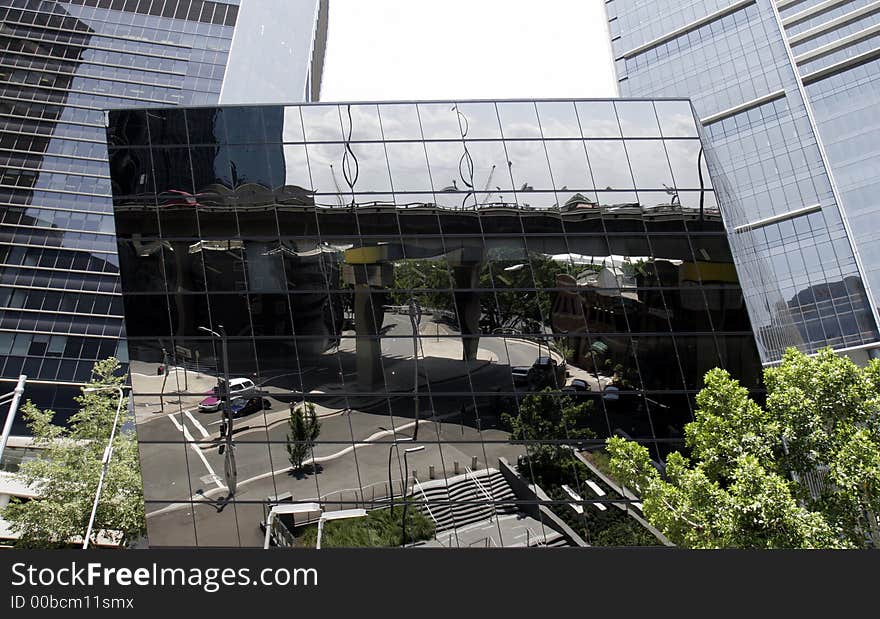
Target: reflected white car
x=237 y=387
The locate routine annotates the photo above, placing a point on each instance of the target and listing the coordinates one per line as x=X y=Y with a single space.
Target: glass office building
x=787 y=92
x=61 y=64
x=471 y=296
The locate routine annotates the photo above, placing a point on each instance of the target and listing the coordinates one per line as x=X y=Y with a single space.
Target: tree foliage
x=65 y=476
x=517 y=302
x=429 y=281
x=548 y=416
x=304 y=430
x=803 y=471
x=514 y=305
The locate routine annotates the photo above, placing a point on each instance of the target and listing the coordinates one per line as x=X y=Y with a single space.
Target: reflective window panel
x=467 y=296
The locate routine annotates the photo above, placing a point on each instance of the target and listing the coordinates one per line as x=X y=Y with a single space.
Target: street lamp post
x=15 y=397
x=229 y=466
x=390 y=482
x=415 y=318
x=406 y=452
x=164 y=380
x=105 y=459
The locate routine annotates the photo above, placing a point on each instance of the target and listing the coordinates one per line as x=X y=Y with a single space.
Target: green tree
x=65 y=476
x=547 y=416
x=428 y=280
x=510 y=306
x=803 y=471
x=304 y=430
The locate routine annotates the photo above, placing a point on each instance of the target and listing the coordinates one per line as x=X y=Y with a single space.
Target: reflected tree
x=516 y=310
x=304 y=430
x=429 y=277
x=548 y=416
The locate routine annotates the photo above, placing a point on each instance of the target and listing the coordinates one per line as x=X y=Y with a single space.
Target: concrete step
x=459 y=501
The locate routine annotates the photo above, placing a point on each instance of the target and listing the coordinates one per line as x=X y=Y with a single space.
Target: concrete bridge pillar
x=368 y=318
x=467 y=303
x=369 y=315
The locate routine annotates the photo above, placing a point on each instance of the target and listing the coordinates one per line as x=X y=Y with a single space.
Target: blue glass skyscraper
x=788 y=94
x=62 y=62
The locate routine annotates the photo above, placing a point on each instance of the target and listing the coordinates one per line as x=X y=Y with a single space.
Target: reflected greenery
x=547 y=416
x=379 y=528
x=550 y=469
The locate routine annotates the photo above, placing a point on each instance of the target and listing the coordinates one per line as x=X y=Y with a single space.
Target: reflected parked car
x=237 y=387
x=544 y=372
x=241 y=407
x=210 y=404
x=577 y=385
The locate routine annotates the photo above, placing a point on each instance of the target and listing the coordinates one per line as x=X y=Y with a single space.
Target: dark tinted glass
x=463 y=281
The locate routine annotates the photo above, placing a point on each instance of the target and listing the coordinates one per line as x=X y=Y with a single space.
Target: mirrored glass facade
x=62 y=63
x=471 y=296
x=784 y=92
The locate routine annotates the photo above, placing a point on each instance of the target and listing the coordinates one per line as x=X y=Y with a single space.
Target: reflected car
x=520 y=374
x=210 y=404
x=577 y=385
x=544 y=372
x=241 y=407
x=237 y=387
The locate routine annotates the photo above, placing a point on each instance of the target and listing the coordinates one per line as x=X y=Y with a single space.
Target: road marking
x=195 y=448
x=319 y=460
x=196 y=423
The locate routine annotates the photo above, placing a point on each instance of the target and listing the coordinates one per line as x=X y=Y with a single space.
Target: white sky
x=467 y=49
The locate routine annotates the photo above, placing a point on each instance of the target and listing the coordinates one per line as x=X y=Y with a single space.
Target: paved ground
x=181 y=463
x=341 y=473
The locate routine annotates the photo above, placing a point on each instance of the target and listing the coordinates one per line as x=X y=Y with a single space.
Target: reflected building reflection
x=609 y=301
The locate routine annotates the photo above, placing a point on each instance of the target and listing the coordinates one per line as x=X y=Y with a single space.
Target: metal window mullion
x=100 y=94
x=96 y=274
x=52 y=137
x=64 y=312
x=59 y=248
x=79 y=61
x=54 y=289
x=796 y=18
x=842 y=43
x=63 y=191
x=75 y=74
x=834 y=24
x=86 y=35
x=50 y=120
x=91 y=46
x=48 y=154
x=49 y=171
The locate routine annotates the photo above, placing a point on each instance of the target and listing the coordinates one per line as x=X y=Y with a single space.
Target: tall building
x=787 y=92
x=62 y=62
x=432 y=272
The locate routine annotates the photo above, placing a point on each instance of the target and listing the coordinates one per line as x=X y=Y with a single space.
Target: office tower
x=62 y=62
x=420 y=275
x=787 y=93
